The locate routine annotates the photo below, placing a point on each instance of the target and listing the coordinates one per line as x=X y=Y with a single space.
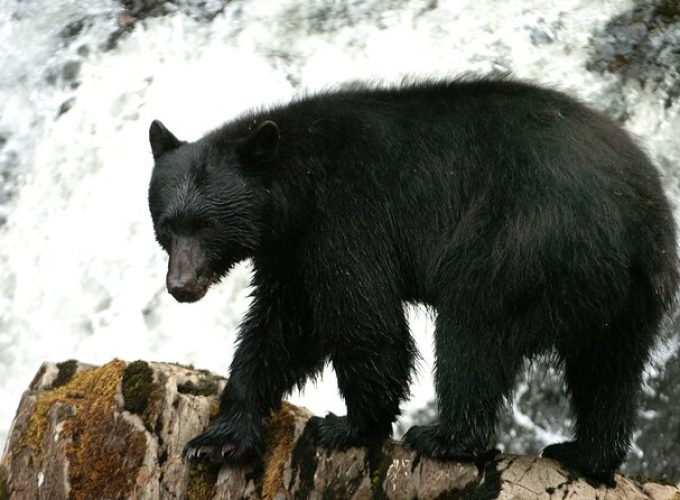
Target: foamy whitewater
x=80 y=273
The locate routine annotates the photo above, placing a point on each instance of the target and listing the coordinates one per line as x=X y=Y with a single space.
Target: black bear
x=528 y=222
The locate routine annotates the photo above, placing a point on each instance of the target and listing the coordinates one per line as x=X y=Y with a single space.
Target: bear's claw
x=222 y=443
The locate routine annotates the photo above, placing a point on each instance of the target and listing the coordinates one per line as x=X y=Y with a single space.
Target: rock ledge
x=117 y=431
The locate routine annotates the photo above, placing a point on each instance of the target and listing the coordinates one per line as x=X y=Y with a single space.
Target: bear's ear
x=161 y=139
x=262 y=143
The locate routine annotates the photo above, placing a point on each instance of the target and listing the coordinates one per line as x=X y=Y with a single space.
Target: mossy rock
x=205 y=387
x=202 y=480
x=66 y=371
x=137 y=384
x=4 y=490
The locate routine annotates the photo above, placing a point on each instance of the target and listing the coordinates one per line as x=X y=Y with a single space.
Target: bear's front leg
x=276 y=351
x=234 y=437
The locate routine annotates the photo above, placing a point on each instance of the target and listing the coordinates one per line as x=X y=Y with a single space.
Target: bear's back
x=501 y=180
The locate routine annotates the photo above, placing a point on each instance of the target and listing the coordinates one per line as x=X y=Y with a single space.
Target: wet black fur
x=529 y=223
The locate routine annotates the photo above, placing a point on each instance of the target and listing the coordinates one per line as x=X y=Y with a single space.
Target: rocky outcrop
x=640 y=44
x=117 y=431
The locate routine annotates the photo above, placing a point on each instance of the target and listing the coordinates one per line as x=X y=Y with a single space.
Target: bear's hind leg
x=476 y=368
x=373 y=354
x=604 y=376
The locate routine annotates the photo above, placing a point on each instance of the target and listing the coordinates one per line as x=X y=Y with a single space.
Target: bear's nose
x=184 y=291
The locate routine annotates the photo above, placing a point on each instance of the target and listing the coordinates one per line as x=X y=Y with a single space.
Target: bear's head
x=207 y=214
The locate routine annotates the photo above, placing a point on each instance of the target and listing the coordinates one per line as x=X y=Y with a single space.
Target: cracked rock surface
x=117 y=431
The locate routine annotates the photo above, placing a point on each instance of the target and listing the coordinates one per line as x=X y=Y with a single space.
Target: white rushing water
x=80 y=273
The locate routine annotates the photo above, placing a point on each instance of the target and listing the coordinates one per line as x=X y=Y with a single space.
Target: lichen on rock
x=279 y=440
x=96 y=387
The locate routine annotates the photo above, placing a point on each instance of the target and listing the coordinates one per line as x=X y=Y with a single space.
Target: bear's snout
x=184 y=278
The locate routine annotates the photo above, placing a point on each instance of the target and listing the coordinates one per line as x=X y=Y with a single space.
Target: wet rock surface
x=199 y=9
x=73 y=438
x=138 y=10
x=643 y=45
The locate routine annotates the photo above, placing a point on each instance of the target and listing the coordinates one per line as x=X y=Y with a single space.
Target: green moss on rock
x=66 y=371
x=137 y=384
x=379 y=461
x=4 y=490
x=202 y=480
x=205 y=387
x=304 y=462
